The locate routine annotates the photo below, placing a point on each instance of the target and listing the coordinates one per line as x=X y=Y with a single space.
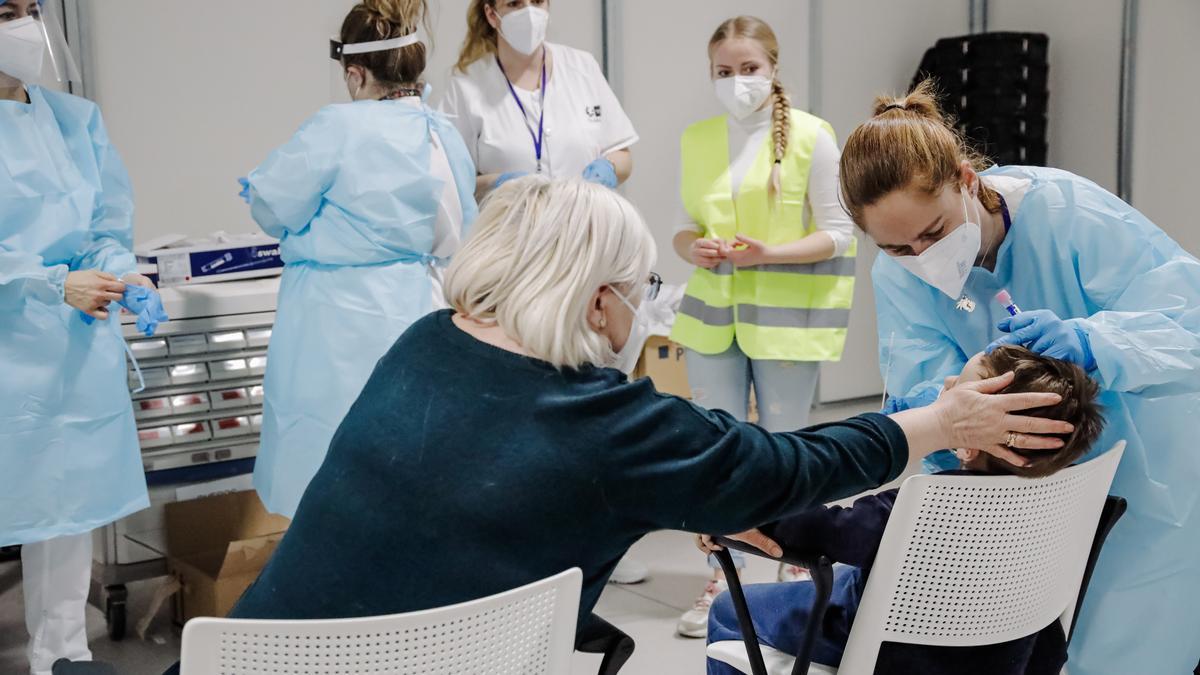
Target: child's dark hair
x=1079 y=406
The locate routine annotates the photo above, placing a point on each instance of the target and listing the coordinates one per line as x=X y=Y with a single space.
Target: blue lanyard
x=1004 y=212
x=540 y=136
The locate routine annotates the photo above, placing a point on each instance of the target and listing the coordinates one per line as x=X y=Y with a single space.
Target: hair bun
x=403 y=13
x=922 y=101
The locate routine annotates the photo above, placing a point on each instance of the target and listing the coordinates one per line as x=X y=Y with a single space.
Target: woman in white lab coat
x=524 y=105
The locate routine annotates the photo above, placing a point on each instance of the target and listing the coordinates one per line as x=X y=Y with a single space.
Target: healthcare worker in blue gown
x=69 y=458
x=1091 y=281
x=368 y=199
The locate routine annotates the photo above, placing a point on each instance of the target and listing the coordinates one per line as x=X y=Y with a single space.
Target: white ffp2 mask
x=525 y=29
x=626 y=359
x=947 y=264
x=22 y=49
x=743 y=96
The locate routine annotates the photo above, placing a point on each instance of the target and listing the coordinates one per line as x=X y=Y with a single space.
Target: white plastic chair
x=526 y=630
x=968 y=561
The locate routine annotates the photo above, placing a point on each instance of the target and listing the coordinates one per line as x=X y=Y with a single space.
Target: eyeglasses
x=653 y=286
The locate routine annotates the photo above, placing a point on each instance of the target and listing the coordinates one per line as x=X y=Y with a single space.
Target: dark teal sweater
x=464 y=470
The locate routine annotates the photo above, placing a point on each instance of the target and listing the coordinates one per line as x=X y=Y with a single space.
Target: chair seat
x=733 y=652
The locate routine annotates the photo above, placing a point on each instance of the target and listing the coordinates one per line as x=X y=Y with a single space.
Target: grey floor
x=647 y=611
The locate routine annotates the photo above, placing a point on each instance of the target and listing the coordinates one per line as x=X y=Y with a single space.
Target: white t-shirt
x=584 y=120
x=746 y=139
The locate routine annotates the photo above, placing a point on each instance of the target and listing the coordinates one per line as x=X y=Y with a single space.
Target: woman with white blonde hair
x=495 y=445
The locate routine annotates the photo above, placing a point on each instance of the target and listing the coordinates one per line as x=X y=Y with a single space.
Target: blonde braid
x=781 y=131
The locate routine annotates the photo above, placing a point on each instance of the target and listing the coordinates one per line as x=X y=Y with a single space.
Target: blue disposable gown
x=1079 y=251
x=69 y=457
x=353 y=201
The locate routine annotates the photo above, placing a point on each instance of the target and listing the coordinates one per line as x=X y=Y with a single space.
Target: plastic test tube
x=1004 y=298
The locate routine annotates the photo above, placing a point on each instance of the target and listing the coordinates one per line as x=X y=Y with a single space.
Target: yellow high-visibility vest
x=775 y=312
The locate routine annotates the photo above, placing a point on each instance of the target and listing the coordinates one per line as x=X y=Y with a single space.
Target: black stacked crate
x=996 y=87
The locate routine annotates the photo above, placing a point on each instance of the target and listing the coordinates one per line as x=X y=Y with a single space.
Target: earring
x=603 y=322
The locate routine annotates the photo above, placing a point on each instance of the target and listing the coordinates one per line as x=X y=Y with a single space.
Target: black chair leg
x=749 y=637
x=598 y=636
x=822 y=577
x=615 y=658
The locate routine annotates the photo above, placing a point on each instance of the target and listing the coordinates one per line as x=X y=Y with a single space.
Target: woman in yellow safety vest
x=773 y=249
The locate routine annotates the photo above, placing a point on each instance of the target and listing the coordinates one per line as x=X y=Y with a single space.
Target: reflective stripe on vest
x=792 y=312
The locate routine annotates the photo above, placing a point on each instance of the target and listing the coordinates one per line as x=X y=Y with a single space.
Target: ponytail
x=909 y=143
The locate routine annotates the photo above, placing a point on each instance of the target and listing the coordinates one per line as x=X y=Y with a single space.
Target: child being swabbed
x=852 y=536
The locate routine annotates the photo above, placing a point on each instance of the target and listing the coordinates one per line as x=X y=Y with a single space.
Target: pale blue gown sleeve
x=915 y=356
x=286 y=192
x=109 y=242
x=24 y=276
x=1143 y=291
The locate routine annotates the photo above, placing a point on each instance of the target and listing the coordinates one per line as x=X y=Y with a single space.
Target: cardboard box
x=216 y=546
x=663 y=362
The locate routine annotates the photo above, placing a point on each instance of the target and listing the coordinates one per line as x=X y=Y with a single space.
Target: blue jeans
x=780 y=616
x=783 y=391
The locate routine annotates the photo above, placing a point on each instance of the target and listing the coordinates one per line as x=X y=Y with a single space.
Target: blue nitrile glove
x=1044 y=333
x=920 y=399
x=146 y=303
x=505 y=177
x=245 y=193
x=603 y=172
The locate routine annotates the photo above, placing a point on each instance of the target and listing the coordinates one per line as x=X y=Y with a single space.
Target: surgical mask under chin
x=525 y=29
x=626 y=359
x=947 y=264
x=942 y=460
x=22 y=49
x=743 y=96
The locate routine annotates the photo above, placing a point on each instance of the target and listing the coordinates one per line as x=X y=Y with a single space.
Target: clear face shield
x=33 y=47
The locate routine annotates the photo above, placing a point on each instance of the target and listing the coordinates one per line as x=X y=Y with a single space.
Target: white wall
x=1166 y=150
x=663 y=79
x=1085 y=62
x=660 y=63
x=878 y=58
x=195 y=97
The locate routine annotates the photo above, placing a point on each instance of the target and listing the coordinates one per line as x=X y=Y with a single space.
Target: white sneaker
x=629 y=571
x=694 y=622
x=792 y=573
